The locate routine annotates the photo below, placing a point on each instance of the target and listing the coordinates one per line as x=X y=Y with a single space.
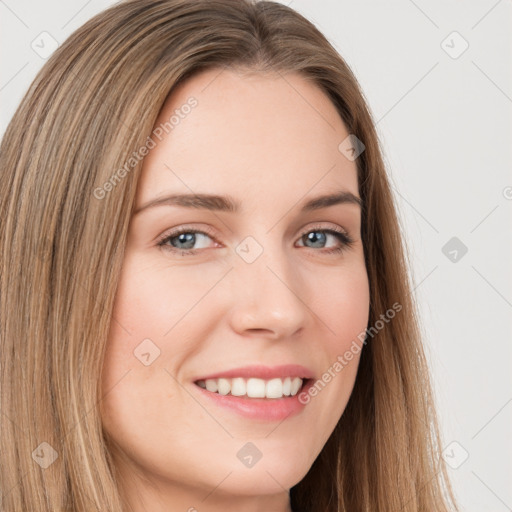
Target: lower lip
x=267 y=409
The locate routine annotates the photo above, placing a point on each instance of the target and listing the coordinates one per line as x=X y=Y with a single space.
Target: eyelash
x=342 y=236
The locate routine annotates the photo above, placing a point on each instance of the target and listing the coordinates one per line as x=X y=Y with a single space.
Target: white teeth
x=296 y=384
x=253 y=387
x=274 y=388
x=256 y=388
x=238 y=387
x=224 y=386
x=287 y=386
x=211 y=385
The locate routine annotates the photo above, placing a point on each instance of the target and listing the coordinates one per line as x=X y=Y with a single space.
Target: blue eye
x=184 y=240
x=343 y=238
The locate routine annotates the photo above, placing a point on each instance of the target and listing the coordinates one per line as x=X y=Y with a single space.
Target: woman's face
x=259 y=291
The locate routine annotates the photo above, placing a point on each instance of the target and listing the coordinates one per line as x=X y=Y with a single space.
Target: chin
x=273 y=478
x=274 y=471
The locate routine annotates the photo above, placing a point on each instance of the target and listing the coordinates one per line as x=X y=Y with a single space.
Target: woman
x=273 y=361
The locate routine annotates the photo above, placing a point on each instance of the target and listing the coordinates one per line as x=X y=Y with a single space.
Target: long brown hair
x=64 y=216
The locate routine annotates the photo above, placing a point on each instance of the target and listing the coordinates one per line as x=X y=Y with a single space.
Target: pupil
x=314 y=238
x=189 y=236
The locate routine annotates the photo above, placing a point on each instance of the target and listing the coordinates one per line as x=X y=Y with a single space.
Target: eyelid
x=188 y=229
x=322 y=227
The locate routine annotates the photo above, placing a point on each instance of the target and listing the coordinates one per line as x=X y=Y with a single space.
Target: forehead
x=259 y=135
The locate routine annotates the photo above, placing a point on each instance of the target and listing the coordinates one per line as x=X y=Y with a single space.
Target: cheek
x=344 y=314
x=162 y=296
x=345 y=308
x=155 y=316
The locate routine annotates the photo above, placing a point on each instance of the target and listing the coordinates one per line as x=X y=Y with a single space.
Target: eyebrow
x=228 y=204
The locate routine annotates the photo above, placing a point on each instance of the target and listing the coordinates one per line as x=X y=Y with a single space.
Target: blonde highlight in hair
x=93 y=104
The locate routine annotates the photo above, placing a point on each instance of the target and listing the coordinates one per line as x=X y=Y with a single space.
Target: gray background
x=444 y=119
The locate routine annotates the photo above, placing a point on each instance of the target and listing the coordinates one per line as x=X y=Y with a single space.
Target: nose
x=268 y=297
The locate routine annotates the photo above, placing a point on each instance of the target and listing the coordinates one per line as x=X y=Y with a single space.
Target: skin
x=271 y=142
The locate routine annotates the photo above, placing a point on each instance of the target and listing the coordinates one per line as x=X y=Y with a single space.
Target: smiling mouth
x=254 y=387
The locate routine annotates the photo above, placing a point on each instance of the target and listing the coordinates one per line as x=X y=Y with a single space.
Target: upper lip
x=263 y=372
